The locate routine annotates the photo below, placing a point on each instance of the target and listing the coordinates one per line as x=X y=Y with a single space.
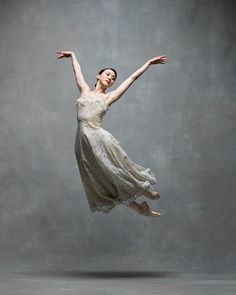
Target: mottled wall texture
x=177 y=119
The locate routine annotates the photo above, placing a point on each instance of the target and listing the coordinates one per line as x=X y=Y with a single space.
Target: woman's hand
x=162 y=59
x=62 y=54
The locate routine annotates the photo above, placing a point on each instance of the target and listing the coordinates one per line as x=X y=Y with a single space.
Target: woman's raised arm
x=117 y=93
x=82 y=85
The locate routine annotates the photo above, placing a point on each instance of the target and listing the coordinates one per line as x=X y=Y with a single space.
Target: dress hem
x=107 y=208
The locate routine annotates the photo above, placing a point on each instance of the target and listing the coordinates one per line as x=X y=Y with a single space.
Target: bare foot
x=137 y=207
x=144 y=209
x=152 y=195
x=149 y=211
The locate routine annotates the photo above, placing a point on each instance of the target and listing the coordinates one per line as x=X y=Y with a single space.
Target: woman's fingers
x=163 y=59
x=60 y=55
x=64 y=53
x=160 y=57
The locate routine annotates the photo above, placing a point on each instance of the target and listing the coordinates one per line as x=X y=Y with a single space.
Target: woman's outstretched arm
x=82 y=85
x=117 y=93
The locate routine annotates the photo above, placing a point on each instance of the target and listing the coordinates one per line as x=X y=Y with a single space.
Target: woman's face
x=107 y=78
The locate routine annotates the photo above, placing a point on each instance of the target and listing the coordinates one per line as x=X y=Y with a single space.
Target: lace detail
x=108 y=175
x=88 y=100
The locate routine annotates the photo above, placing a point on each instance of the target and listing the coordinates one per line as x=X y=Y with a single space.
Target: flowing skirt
x=108 y=175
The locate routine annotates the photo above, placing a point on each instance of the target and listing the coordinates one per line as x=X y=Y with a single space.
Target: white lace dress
x=108 y=175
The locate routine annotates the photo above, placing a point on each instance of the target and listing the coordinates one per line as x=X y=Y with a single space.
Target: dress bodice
x=90 y=110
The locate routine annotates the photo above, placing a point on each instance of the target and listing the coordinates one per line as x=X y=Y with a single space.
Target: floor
x=122 y=283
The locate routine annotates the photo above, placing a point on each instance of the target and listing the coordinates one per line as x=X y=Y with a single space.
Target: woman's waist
x=87 y=122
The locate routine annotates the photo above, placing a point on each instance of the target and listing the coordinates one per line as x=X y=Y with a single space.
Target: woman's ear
x=98 y=76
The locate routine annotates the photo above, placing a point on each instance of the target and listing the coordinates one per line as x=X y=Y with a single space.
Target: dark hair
x=101 y=71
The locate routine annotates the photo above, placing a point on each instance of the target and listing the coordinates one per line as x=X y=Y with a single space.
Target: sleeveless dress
x=108 y=175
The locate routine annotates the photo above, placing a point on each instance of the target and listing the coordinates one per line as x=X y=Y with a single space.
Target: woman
x=108 y=175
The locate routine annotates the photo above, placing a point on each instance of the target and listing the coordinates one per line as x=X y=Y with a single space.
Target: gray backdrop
x=177 y=119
